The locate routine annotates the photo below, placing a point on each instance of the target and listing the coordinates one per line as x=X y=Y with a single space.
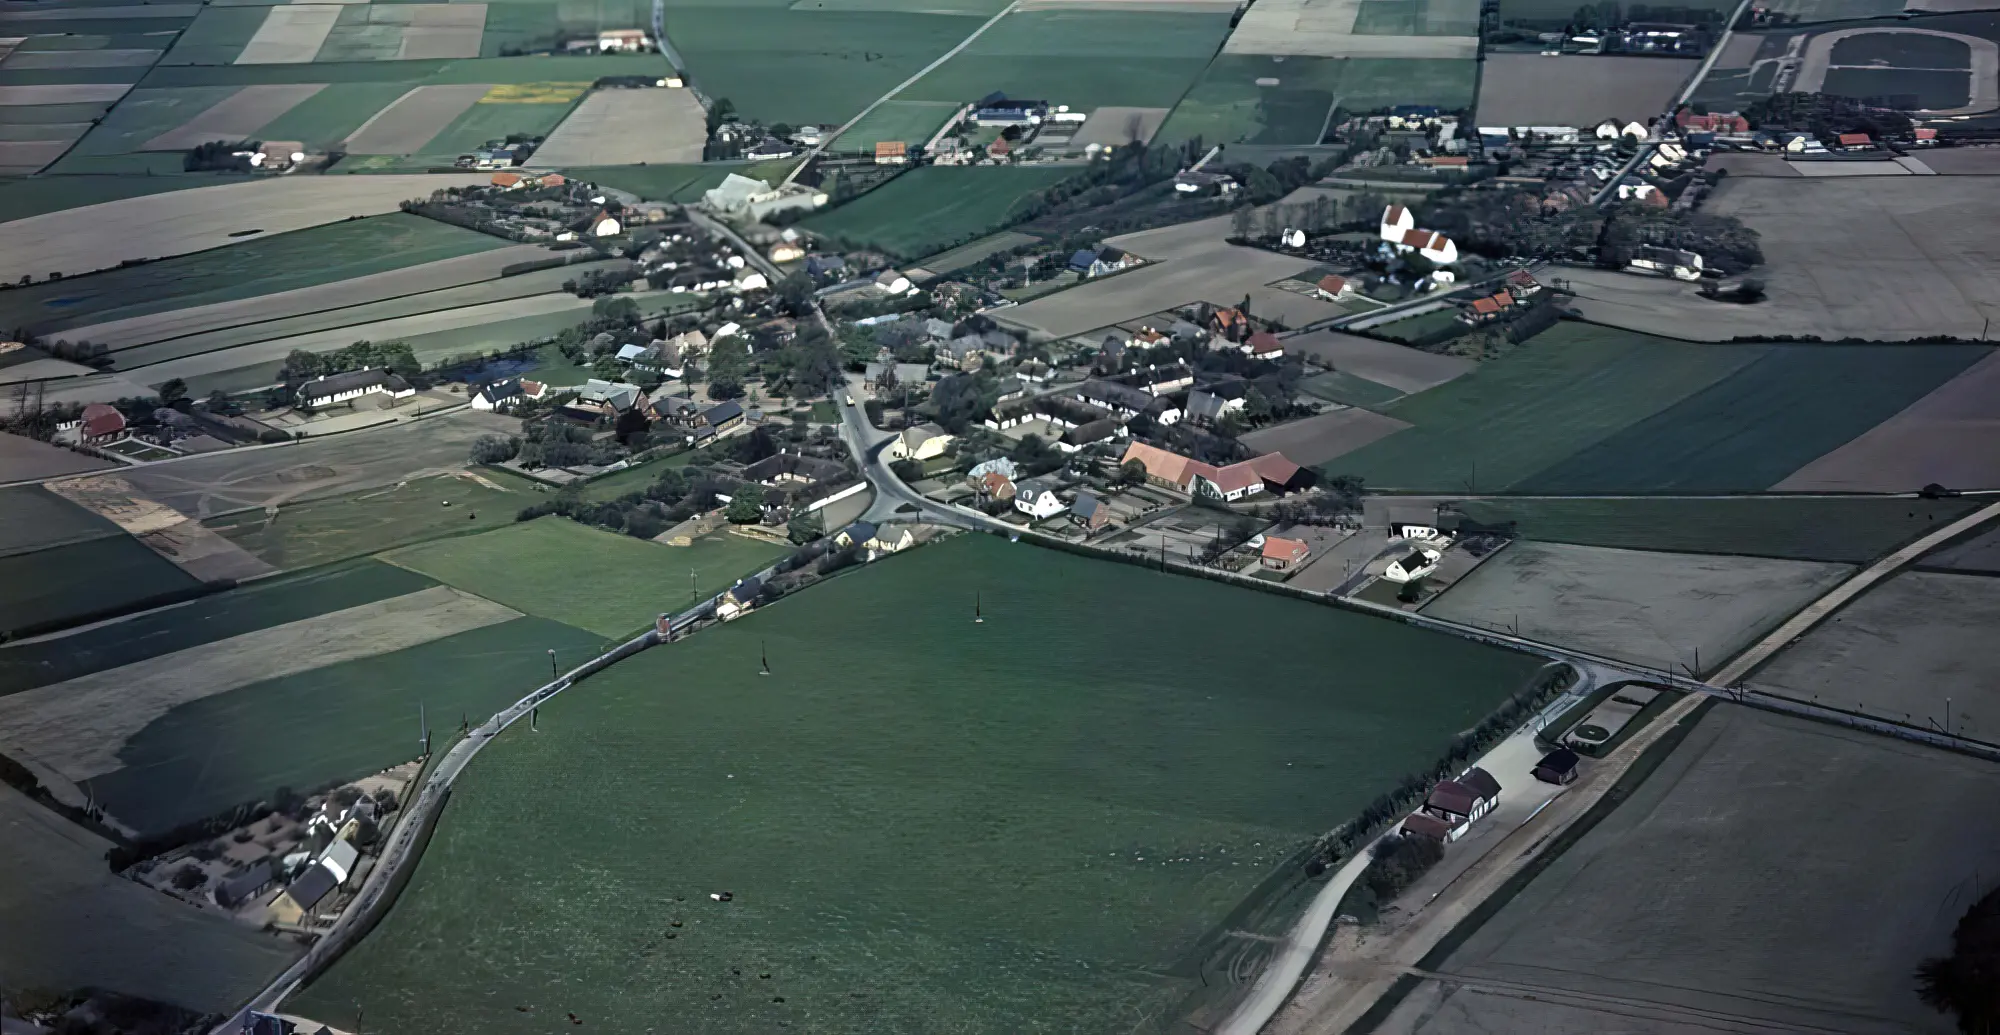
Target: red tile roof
x=1277 y=548
x=1332 y=285
x=1485 y=306
x=890 y=149
x=1264 y=343
x=100 y=419
x=1274 y=467
x=1926 y=133
x=506 y=179
x=1855 y=140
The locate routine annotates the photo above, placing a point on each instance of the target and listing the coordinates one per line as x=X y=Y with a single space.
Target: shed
x=1557 y=767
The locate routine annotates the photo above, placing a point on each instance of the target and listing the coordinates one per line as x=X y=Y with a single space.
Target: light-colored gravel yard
x=1910 y=649
x=78 y=727
x=1662 y=610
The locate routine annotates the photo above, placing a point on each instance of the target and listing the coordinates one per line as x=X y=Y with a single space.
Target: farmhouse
x=332 y=389
x=1418 y=563
x=235 y=891
x=501 y=396
x=755 y=199
x=1037 y=499
x=1088 y=434
x=995 y=486
x=1263 y=345
x=722 y=417
x=600 y=399
x=1280 y=553
x=1461 y=802
x=97 y=424
x=1401 y=236
x=1669 y=262
x=891 y=152
x=1206 y=406
x=1096 y=262
x=923 y=442
x=1245 y=478
x=1333 y=288
x=995 y=110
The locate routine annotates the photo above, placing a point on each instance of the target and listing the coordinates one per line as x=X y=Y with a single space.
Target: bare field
x=108 y=57
x=1400 y=367
x=628 y=127
x=77 y=727
x=1190 y=263
x=101 y=236
x=1773 y=875
x=94 y=928
x=1315 y=440
x=115 y=500
x=1113 y=126
x=21 y=157
x=1910 y=255
x=1946 y=437
x=78 y=93
x=203 y=554
x=406 y=126
x=1682 y=611
x=204 y=486
x=1577 y=90
x=374 y=287
x=237 y=117
x=291 y=34
x=1910 y=649
x=1980 y=553
x=22 y=459
x=1327 y=28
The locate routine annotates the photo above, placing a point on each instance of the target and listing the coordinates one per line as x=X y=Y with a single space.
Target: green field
x=1793 y=405
x=911 y=122
x=1227 y=105
x=1082 y=58
x=1845 y=530
x=926 y=824
x=259 y=605
x=142 y=115
x=808 y=65
x=417 y=72
x=1436 y=325
x=33 y=518
x=217 y=36
x=76 y=581
x=324 y=530
x=491 y=120
x=330 y=116
x=1572 y=387
x=1350 y=389
x=280 y=262
x=334 y=723
x=975 y=251
x=610 y=584
x=930 y=209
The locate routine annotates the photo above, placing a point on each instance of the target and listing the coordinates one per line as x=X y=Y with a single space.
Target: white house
x=332 y=389
x=894 y=283
x=339 y=859
x=505 y=395
x=1419 y=562
x=1037 y=499
x=624 y=41
x=604 y=224
x=922 y=442
x=751 y=280
x=1667 y=262
x=1399 y=231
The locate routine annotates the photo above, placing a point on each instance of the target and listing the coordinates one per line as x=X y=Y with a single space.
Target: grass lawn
x=923 y=830
x=1847 y=530
x=975 y=251
x=1570 y=388
x=280 y=262
x=79 y=581
x=1427 y=327
x=631 y=479
x=325 y=530
x=825 y=412
x=339 y=722
x=609 y=584
x=1748 y=432
x=930 y=209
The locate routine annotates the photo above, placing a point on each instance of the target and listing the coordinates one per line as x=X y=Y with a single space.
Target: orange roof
x=890 y=148
x=1234 y=478
x=1485 y=306
x=1332 y=285
x=531 y=387
x=1277 y=548
x=996 y=484
x=1392 y=214
x=1167 y=467
x=1274 y=467
x=506 y=179
x=1503 y=299
x=999 y=147
x=1854 y=140
x=553 y=180
x=1418 y=238
x=1263 y=343
x=1225 y=317
x=1926 y=133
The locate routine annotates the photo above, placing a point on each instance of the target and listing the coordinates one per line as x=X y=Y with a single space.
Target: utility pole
x=552 y=665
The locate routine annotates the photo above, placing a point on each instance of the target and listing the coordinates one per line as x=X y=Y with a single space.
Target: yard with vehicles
x=313 y=257
x=610 y=584
x=1914 y=649
x=1676 y=612
x=1740 y=924
x=102 y=236
x=314 y=532
x=1844 y=530
x=930 y=209
x=94 y=928
x=951 y=824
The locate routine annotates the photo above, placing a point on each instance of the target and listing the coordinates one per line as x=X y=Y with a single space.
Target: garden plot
x=406 y=126
x=93 y=928
x=1947 y=437
x=237 y=117
x=1912 y=649
x=628 y=127
x=77 y=728
x=1672 y=611
x=1117 y=126
x=1315 y=440
x=1577 y=90
x=101 y=236
x=1774 y=874
x=291 y=34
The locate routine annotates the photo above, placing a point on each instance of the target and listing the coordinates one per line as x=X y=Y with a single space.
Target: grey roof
x=1095 y=431
x=499 y=390
x=1033 y=487
x=1125 y=396
x=860 y=531
x=1203 y=404
x=746 y=590
x=312 y=886
x=334 y=384
x=721 y=413
x=998 y=340
x=937 y=328
x=234 y=890
x=1086 y=505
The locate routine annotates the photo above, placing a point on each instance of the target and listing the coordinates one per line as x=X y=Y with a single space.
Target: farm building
x=1400 y=234
x=1461 y=802
x=755 y=199
x=737 y=600
x=97 y=424
x=891 y=152
x=333 y=389
x=1272 y=471
x=1557 y=767
x=923 y=442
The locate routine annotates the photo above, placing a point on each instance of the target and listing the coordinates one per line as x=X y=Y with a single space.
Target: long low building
x=1269 y=472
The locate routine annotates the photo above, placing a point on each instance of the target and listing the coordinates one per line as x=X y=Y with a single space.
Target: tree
x=631 y=426
x=795 y=290
x=1411 y=592
x=805 y=527
x=1966 y=983
x=495 y=449
x=173 y=392
x=189 y=877
x=746 y=506
x=728 y=364
x=1242 y=222
x=1132 y=472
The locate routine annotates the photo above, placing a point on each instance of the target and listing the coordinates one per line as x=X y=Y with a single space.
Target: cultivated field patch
x=407 y=125
x=911 y=122
x=1577 y=89
x=235 y=118
x=72 y=93
x=606 y=583
x=94 y=928
x=628 y=127
x=1347 y=389
x=203 y=554
x=1290 y=100
x=1945 y=437
x=322 y=121
x=1358 y=28
x=1694 y=897
x=953 y=824
x=1083 y=58
x=83 y=580
x=929 y=209
x=1980 y=554
x=33 y=518
x=313 y=532
x=24 y=458
x=1318 y=439
x=1768 y=419
x=1673 y=611
x=291 y=34
x=1916 y=649
x=1398 y=366
x=107 y=57
x=217 y=35
x=78 y=727
x=22 y=157
x=1118 y=126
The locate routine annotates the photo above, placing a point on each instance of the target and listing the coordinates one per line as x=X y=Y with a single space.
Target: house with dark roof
x=1102 y=430
x=722 y=416
x=1037 y=499
x=1461 y=802
x=1557 y=767
x=1123 y=400
x=235 y=891
x=1416 y=564
x=737 y=600
x=1101 y=260
x=333 y=389
x=294 y=904
x=1089 y=513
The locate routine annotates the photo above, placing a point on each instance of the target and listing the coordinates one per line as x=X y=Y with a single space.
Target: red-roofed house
x=1333 y=288
x=553 y=179
x=1264 y=345
x=894 y=152
x=1000 y=148
x=1281 y=553
x=101 y=422
x=1722 y=122
x=1244 y=478
x=506 y=181
x=1855 y=140
x=1926 y=135
x=1229 y=323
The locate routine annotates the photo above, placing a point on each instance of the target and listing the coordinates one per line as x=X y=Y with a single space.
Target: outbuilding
x=1557 y=767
